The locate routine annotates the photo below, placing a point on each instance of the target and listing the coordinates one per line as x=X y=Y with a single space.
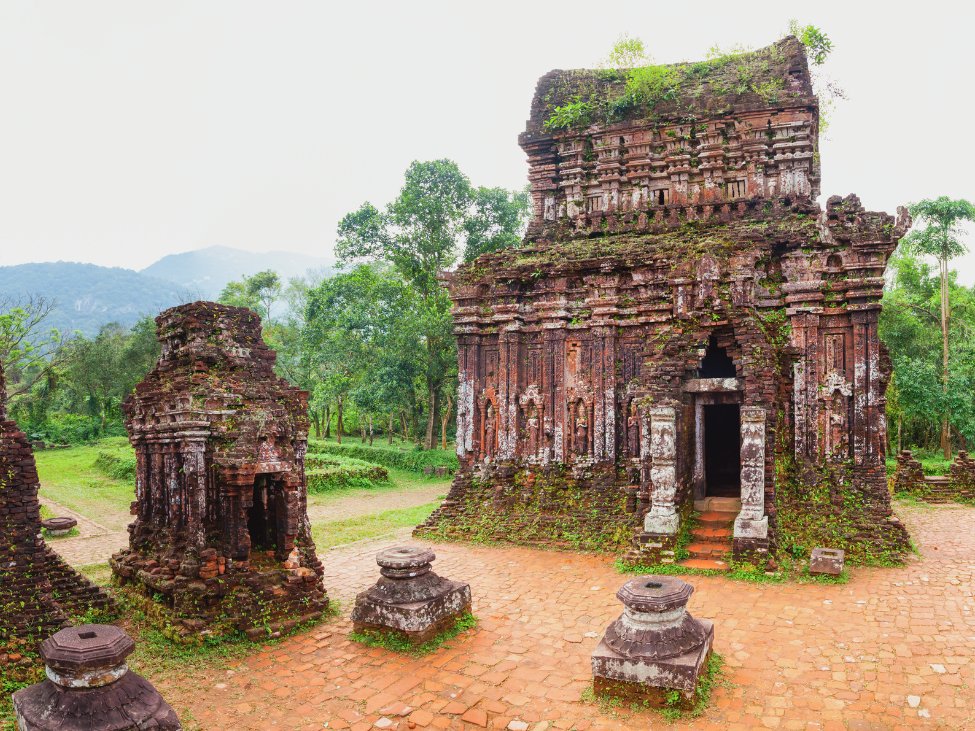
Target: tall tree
x=419 y=235
x=497 y=220
x=363 y=335
x=29 y=351
x=265 y=287
x=940 y=238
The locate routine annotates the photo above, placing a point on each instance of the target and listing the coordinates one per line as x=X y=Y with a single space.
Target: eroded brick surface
x=809 y=656
x=221 y=529
x=678 y=288
x=38 y=590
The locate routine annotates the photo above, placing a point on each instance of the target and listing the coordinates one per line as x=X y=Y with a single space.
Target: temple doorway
x=261 y=519
x=722 y=450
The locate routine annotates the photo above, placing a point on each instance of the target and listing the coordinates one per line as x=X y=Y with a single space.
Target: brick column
x=662 y=518
x=752 y=521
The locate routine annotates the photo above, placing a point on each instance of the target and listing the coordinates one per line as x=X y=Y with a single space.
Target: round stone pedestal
x=58 y=526
x=90 y=687
x=409 y=599
x=655 y=645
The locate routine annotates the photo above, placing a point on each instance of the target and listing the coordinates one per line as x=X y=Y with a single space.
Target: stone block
x=655 y=645
x=826 y=561
x=410 y=600
x=90 y=688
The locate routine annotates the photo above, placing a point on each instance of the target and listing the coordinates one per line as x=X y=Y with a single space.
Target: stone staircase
x=712 y=543
x=938 y=489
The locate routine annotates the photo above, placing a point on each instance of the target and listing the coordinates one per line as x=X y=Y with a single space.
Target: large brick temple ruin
x=39 y=592
x=221 y=530
x=682 y=322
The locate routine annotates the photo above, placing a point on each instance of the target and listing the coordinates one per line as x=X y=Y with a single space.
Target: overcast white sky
x=131 y=130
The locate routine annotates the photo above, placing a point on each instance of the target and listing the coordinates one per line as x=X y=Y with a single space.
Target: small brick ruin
x=39 y=592
x=221 y=529
x=683 y=322
x=958 y=484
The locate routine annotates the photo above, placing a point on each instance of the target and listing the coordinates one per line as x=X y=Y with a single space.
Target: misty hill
x=88 y=295
x=209 y=270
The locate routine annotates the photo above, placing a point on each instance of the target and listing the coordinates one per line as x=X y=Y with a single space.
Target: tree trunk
x=328 y=421
x=428 y=440
x=900 y=432
x=406 y=426
x=370 y=430
x=391 y=413
x=338 y=426
x=316 y=420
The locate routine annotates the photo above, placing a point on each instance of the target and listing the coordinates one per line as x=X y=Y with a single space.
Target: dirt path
x=95 y=544
x=367 y=503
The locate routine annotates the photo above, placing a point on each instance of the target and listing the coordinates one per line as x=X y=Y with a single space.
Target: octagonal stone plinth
x=90 y=687
x=655 y=645
x=410 y=600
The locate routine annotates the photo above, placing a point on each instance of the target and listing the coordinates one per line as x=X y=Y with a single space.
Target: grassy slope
x=68 y=477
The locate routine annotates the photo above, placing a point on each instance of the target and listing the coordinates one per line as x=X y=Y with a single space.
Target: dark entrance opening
x=722 y=450
x=716 y=362
x=261 y=523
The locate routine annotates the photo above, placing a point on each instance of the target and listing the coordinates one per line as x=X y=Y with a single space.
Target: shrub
x=413 y=461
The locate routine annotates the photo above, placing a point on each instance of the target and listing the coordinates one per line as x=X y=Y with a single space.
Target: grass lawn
x=68 y=476
x=338 y=532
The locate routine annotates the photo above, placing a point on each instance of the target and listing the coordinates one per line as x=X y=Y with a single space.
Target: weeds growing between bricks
x=399 y=643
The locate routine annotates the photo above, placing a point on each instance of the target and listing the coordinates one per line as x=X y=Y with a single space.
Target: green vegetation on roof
x=769 y=76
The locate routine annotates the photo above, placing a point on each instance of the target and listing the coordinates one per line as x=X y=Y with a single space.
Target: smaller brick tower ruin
x=38 y=590
x=221 y=528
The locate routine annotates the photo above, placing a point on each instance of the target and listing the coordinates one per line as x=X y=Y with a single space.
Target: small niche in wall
x=736 y=189
x=716 y=362
x=660 y=197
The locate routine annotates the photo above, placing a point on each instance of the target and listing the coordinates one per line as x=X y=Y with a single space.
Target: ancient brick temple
x=39 y=592
x=682 y=323
x=222 y=528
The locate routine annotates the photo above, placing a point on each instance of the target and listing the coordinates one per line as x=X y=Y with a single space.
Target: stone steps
x=709 y=534
x=714 y=519
x=708 y=550
x=712 y=544
x=707 y=564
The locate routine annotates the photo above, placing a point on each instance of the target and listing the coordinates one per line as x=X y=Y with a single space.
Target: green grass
x=929 y=465
x=69 y=477
x=402 y=455
x=339 y=532
x=398 y=643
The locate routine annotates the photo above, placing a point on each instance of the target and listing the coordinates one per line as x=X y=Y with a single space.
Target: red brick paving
x=800 y=656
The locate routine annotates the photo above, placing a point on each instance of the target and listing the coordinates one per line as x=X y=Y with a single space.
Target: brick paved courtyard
x=891 y=649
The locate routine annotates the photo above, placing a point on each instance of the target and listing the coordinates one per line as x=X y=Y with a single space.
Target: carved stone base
x=643 y=677
x=418 y=622
x=417 y=636
x=662 y=524
x=410 y=600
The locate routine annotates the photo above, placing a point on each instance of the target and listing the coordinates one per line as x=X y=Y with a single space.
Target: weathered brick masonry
x=683 y=322
x=39 y=592
x=222 y=530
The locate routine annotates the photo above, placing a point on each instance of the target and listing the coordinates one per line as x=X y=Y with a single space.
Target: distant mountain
x=210 y=269
x=90 y=296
